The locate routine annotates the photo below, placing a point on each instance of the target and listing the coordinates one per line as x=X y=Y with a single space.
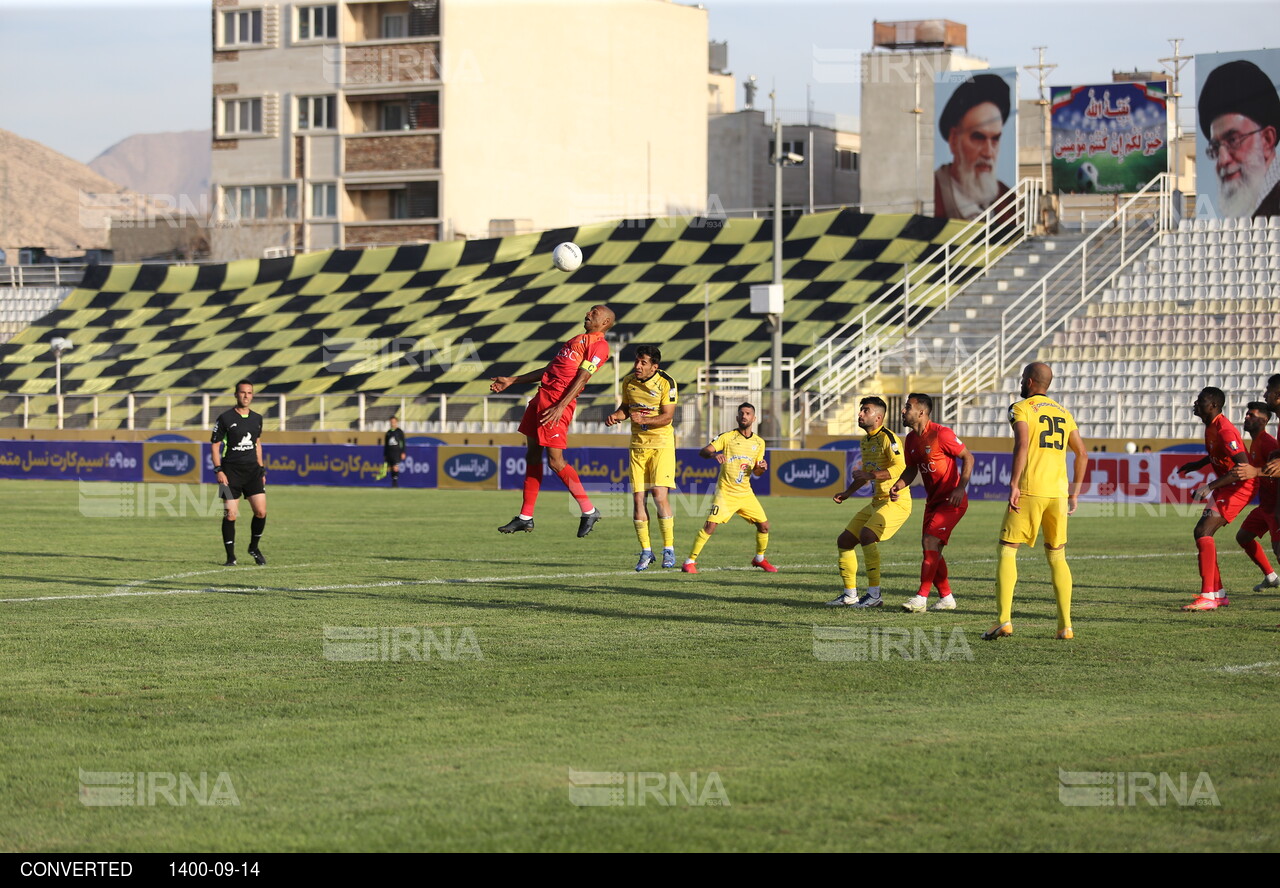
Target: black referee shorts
x=246 y=480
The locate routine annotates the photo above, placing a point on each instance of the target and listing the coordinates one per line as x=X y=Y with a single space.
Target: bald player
x=1039 y=497
x=546 y=420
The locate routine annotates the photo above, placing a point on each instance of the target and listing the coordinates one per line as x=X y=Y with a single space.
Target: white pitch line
x=1233 y=670
x=468 y=581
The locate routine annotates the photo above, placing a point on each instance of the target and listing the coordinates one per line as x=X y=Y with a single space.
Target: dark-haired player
x=1272 y=468
x=1224 y=498
x=1262 y=518
x=649 y=401
x=932 y=451
x=240 y=470
x=883 y=462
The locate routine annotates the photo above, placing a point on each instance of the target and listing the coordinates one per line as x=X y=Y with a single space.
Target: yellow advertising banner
x=807 y=472
x=467 y=468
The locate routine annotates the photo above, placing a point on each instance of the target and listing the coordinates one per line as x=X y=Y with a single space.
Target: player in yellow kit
x=883 y=461
x=741 y=457
x=1043 y=431
x=649 y=401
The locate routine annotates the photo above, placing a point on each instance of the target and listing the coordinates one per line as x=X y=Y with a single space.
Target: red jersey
x=586 y=351
x=934 y=453
x=1222 y=440
x=1260 y=448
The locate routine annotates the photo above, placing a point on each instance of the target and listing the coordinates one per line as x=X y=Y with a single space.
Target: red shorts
x=556 y=436
x=1230 y=501
x=941 y=519
x=1261 y=521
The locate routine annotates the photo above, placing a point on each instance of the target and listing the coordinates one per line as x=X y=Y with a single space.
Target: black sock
x=229 y=538
x=395 y=477
x=256 y=527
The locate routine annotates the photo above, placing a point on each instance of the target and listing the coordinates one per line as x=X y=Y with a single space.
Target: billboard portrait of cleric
x=976 y=120
x=1239 y=111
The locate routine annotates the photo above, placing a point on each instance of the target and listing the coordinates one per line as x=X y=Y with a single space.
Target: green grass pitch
x=552 y=655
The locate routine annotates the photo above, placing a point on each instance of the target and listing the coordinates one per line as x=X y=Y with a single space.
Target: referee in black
x=393 y=447
x=240 y=471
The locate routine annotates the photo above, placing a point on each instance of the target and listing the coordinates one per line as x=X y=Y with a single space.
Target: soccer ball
x=567 y=257
x=1087 y=177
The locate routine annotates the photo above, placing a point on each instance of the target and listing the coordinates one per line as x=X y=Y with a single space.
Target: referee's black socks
x=229 y=538
x=256 y=527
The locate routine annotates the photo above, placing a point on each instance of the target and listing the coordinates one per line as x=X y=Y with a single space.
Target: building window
x=242 y=28
x=317 y=113
x=318 y=23
x=424 y=18
x=261 y=202
x=800 y=148
x=421 y=112
x=846 y=160
x=241 y=117
x=393 y=116
x=324 y=200
x=394 y=26
x=417 y=200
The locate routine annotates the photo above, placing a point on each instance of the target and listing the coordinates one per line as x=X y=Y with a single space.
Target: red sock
x=928 y=568
x=1257 y=555
x=570 y=478
x=532 y=485
x=1208 y=566
x=940 y=577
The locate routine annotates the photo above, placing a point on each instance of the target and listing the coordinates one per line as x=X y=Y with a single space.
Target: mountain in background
x=172 y=169
x=49 y=200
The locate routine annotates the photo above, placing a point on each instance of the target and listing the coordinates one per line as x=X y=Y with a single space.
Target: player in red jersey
x=932 y=451
x=1224 y=498
x=546 y=420
x=1272 y=467
x=1262 y=519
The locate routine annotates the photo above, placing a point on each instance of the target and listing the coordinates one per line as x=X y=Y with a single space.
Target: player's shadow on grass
x=64 y=581
x=131 y=559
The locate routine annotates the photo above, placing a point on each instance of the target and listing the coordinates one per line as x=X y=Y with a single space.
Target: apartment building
x=398 y=121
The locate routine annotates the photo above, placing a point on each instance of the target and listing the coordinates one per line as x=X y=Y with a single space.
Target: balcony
x=385 y=64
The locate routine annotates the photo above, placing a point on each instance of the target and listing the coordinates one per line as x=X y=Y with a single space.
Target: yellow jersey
x=1049 y=426
x=741 y=455
x=882 y=450
x=648 y=396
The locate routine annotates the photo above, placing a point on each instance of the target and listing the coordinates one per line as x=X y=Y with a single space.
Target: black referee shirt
x=239 y=436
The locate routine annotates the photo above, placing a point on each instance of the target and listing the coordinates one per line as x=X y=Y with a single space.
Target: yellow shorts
x=744 y=504
x=1023 y=526
x=653 y=467
x=883 y=518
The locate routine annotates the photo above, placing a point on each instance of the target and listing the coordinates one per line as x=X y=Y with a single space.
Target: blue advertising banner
x=341 y=465
x=607 y=470
x=88 y=460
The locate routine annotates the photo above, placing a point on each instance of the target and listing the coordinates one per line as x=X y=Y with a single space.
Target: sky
x=81 y=75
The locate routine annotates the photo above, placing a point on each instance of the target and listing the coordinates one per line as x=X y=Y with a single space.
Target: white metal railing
x=825 y=373
x=60 y=275
x=1046 y=305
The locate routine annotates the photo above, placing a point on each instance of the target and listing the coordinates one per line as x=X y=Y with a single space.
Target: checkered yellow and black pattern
x=500 y=301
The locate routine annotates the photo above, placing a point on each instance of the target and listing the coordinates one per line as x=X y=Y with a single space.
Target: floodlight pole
x=1042 y=71
x=775 y=320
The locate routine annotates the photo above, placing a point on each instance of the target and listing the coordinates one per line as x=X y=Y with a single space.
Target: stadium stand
x=1201 y=310
x=171 y=331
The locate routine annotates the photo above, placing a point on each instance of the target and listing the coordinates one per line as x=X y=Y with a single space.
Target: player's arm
x=966 y=469
x=904 y=480
x=1202 y=493
x=502 y=383
x=215 y=451
x=616 y=416
x=857 y=480
x=761 y=466
x=1194 y=465
x=1021 y=449
x=656 y=420
x=1076 y=443
x=552 y=414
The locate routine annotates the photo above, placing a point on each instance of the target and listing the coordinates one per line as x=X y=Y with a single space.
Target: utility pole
x=1178 y=60
x=1043 y=72
x=917 y=111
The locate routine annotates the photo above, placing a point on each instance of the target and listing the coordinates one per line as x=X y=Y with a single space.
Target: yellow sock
x=1061 y=585
x=849 y=568
x=668 y=527
x=642 y=533
x=1006 y=579
x=762 y=543
x=871 y=551
x=698 y=542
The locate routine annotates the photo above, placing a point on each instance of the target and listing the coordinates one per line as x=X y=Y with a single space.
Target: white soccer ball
x=1087 y=176
x=567 y=257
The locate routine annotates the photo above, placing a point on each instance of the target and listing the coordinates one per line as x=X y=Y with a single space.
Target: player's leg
x=1019 y=528
x=720 y=513
x=885 y=520
x=753 y=512
x=569 y=475
x=640 y=509
x=532 y=481
x=230 y=494
x=1211 y=521
x=945 y=519
x=394 y=468
x=931 y=548
x=1254 y=526
x=663 y=479
x=847 y=559
x=258 y=525
x=1054 y=523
